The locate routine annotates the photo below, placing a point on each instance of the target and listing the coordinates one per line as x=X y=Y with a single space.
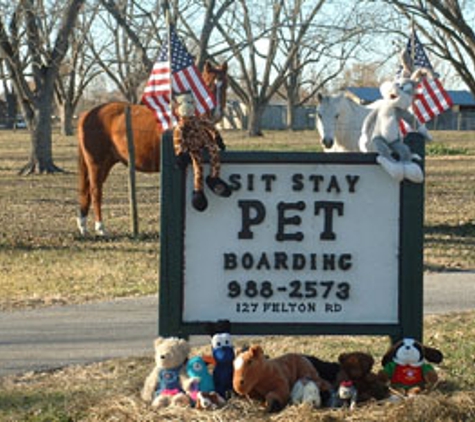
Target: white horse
x=339 y=121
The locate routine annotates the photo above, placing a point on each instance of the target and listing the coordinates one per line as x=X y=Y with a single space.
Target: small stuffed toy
x=405 y=366
x=272 y=380
x=200 y=379
x=357 y=368
x=306 y=391
x=223 y=357
x=380 y=132
x=163 y=386
x=191 y=136
x=209 y=401
x=347 y=395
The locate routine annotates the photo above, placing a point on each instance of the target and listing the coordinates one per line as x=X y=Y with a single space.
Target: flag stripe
x=160 y=105
x=175 y=73
x=431 y=98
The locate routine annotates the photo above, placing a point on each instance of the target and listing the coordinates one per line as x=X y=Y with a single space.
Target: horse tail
x=83 y=178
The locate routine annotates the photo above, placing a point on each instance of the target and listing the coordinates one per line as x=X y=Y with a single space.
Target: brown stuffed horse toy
x=102 y=142
x=272 y=380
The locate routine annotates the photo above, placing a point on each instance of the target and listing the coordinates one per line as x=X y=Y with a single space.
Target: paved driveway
x=58 y=336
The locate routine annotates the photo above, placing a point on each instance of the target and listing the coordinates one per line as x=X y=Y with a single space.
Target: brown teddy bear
x=272 y=380
x=406 y=367
x=357 y=368
x=163 y=386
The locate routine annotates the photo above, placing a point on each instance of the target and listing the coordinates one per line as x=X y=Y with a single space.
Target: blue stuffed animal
x=223 y=357
x=202 y=381
x=223 y=354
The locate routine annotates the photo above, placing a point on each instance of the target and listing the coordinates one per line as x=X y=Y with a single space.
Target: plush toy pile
x=292 y=378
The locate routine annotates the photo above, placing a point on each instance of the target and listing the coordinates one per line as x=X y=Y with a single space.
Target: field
x=44 y=261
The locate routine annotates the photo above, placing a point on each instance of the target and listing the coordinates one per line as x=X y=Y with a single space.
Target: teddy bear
x=406 y=367
x=271 y=380
x=380 y=132
x=163 y=386
x=357 y=367
x=191 y=136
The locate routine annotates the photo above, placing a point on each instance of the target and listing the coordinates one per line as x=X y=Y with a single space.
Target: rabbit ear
x=432 y=355
x=406 y=64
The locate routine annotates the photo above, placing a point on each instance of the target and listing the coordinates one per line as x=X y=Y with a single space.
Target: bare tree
x=250 y=25
x=209 y=12
x=448 y=25
x=134 y=35
x=76 y=72
x=322 y=53
x=34 y=37
x=10 y=97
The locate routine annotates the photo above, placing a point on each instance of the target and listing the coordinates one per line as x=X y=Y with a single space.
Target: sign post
x=308 y=243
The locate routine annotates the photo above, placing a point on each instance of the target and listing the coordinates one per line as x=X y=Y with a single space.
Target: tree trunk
x=66 y=113
x=254 y=124
x=41 y=155
x=290 y=115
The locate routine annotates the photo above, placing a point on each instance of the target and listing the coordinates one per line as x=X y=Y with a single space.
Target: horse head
x=248 y=369
x=328 y=112
x=216 y=79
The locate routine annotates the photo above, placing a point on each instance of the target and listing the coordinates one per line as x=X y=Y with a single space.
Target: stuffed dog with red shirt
x=406 y=367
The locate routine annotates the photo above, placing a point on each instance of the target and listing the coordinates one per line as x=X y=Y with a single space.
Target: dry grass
x=109 y=391
x=44 y=261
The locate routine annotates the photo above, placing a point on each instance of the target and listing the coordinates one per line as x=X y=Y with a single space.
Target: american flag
x=173 y=74
x=431 y=98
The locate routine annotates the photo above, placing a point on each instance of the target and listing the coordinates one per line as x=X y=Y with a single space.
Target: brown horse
x=103 y=143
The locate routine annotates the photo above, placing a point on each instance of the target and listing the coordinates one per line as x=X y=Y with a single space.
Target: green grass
x=43 y=260
x=444 y=149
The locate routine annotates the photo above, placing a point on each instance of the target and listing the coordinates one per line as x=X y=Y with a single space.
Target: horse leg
x=199 y=200
x=97 y=179
x=214 y=182
x=84 y=194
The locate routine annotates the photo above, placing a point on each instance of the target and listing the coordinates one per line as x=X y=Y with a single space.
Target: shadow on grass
x=79 y=242
x=462 y=230
x=447 y=236
x=126 y=237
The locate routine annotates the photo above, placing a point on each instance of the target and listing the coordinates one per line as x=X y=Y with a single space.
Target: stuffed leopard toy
x=190 y=137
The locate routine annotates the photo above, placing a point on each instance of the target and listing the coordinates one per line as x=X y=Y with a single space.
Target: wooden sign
x=308 y=243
